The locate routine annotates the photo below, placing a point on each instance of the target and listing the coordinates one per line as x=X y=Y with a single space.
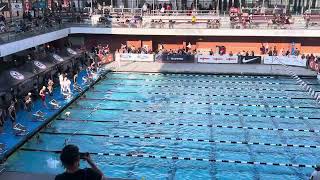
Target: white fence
x=134 y=57
x=217 y=59
x=287 y=60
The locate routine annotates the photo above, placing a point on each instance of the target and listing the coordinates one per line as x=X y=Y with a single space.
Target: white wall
x=16 y=46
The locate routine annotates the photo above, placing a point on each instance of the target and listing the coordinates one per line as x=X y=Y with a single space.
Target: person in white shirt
x=144 y=8
x=316 y=173
x=67 y=84
x=61 y=82
x=162 y=10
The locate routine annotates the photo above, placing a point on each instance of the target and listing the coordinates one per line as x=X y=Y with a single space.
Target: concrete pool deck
x=236 y=69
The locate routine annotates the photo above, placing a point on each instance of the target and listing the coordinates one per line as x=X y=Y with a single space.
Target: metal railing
x=15 y=36
x=113 y=23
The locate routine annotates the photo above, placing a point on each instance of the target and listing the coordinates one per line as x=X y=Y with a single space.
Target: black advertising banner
x=175 y=58
x=250 y=59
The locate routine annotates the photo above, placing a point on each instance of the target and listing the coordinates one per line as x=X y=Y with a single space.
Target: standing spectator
x=144 y=8
x=42 y=94
x=50 y=87
x=70 y=158
x=1 y=120
x=28 y=102
x=12 y=113
x=275 y=52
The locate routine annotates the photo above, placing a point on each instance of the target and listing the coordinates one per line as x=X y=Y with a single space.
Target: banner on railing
x=223 y=59
x=134 y=57
x=250 y=59
x=175 y=57
x=287 y=60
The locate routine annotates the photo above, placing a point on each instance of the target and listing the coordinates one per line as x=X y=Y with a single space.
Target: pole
x=217 y=8
x=309 y=4
x=153 y=7
x=240 y=3
x=196 y=5
x=91 y=7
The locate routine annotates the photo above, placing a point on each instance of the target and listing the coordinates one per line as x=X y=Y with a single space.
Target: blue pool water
x=186 y=127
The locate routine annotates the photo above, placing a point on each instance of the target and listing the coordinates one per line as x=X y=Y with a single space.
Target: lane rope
x=199 y=113
x=306 y=87
x=183 y=139
x=208 y=81
x=199 y=75
x=204 y=103
x=181 y=158
x=194 y=125
x=202 y=95
x=202 y=87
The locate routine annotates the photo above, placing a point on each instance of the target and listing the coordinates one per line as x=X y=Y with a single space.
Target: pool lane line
x=193 y=125
x=310 y=91
x=181 y=139
x=209 y=81
x=199 y=113
x=180 y=158
x=202 y=87
x=202 y=95
x=200 y=81
x=198 y=75
x=203 y=103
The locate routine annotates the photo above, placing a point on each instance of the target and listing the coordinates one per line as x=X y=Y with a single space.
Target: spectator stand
x=311 y=17
x=260 y=17
x=171 y=18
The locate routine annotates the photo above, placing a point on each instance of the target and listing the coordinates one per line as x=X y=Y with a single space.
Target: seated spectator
x=193 y=19
x=70 y=158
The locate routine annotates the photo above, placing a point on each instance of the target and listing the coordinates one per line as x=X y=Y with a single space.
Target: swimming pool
x=184 y=126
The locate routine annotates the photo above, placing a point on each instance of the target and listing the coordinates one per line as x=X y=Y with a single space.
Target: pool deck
x=30 y=176
x=234 y=69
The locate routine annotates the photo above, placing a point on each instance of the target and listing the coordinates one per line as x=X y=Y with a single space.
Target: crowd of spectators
x=132 y=49
x=273 y=51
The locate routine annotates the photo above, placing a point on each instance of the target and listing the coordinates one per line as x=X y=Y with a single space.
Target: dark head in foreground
x=70 y=158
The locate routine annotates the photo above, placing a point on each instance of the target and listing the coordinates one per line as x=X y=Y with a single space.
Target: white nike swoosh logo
x=2 y=7
x=249 y=60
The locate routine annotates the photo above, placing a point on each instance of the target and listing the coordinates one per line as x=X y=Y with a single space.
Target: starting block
x=66 y=95
x=2 y=146
x=39 y=115
x=77 y=88
x=19 y=129
x=54 y=104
